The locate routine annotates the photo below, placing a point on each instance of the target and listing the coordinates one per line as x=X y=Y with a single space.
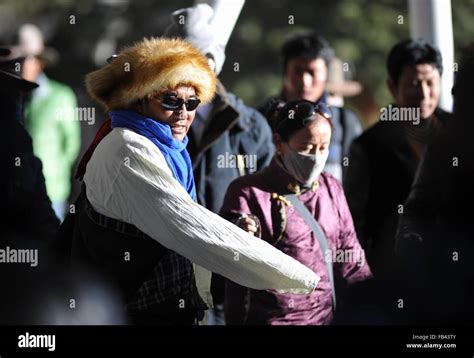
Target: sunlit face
x=179 y=120
x=313 y=138
x=419 y=87
x=305 y=78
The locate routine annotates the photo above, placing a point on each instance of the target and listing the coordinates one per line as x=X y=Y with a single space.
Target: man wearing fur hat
x=137 y=217
x=228 y=138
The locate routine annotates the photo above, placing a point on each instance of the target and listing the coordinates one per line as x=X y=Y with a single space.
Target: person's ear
x=392 y=87
x=277 y=140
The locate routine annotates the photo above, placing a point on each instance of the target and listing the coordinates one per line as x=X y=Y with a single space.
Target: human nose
x=182 y=111
x=307 y=79
x=423 y=90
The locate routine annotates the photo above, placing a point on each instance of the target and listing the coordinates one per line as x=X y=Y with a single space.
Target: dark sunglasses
x=172 y=103
x=303 y=111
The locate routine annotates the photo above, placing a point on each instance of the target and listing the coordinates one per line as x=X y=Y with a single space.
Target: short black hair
x=412 y=53
x=308 y=45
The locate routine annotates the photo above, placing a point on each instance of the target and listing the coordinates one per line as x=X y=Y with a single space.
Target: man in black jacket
x=27 y=212
x=434 y=239
x=384 y=159
x=28 y=220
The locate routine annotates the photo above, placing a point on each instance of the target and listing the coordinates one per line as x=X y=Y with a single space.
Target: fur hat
x=150 y=66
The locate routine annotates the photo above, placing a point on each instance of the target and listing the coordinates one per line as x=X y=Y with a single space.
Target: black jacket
x=435 y=233
x=382 y=167
x=26 y=209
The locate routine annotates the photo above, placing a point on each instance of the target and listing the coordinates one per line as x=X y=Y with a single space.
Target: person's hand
x=248 y=224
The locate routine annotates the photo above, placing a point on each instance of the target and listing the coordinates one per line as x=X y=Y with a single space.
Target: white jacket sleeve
x=145 y=194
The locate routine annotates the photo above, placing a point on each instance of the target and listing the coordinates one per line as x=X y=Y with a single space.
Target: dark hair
x=307 y=45
x=412 y=53
x=271 y=111
x=278 y=116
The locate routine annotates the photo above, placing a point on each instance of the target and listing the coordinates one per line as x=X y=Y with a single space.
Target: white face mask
x=305 y=168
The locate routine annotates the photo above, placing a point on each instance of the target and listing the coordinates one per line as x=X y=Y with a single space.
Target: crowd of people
x=331 y=225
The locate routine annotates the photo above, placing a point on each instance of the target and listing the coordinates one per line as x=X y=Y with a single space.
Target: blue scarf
x=173 y=150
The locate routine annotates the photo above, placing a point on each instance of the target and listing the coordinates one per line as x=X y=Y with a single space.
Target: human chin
x=426 y=111
x=179 y=132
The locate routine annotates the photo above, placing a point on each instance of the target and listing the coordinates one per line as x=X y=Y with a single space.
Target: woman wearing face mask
x=138 y=220
x=300 y=210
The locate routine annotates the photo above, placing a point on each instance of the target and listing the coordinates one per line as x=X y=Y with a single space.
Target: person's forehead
x=319 y=123
x=423 y=70
x=307 y=62
x=315 y=129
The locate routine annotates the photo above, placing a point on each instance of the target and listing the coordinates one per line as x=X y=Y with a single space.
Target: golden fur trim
x=152 y=65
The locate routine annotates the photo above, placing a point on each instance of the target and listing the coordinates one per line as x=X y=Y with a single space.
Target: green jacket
x=52 y=122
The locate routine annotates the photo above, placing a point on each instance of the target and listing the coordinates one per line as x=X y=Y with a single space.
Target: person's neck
x=424 y=123
x=43 y=89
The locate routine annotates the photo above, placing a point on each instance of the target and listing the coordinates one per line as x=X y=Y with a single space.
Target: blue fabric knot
x=174 y=151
